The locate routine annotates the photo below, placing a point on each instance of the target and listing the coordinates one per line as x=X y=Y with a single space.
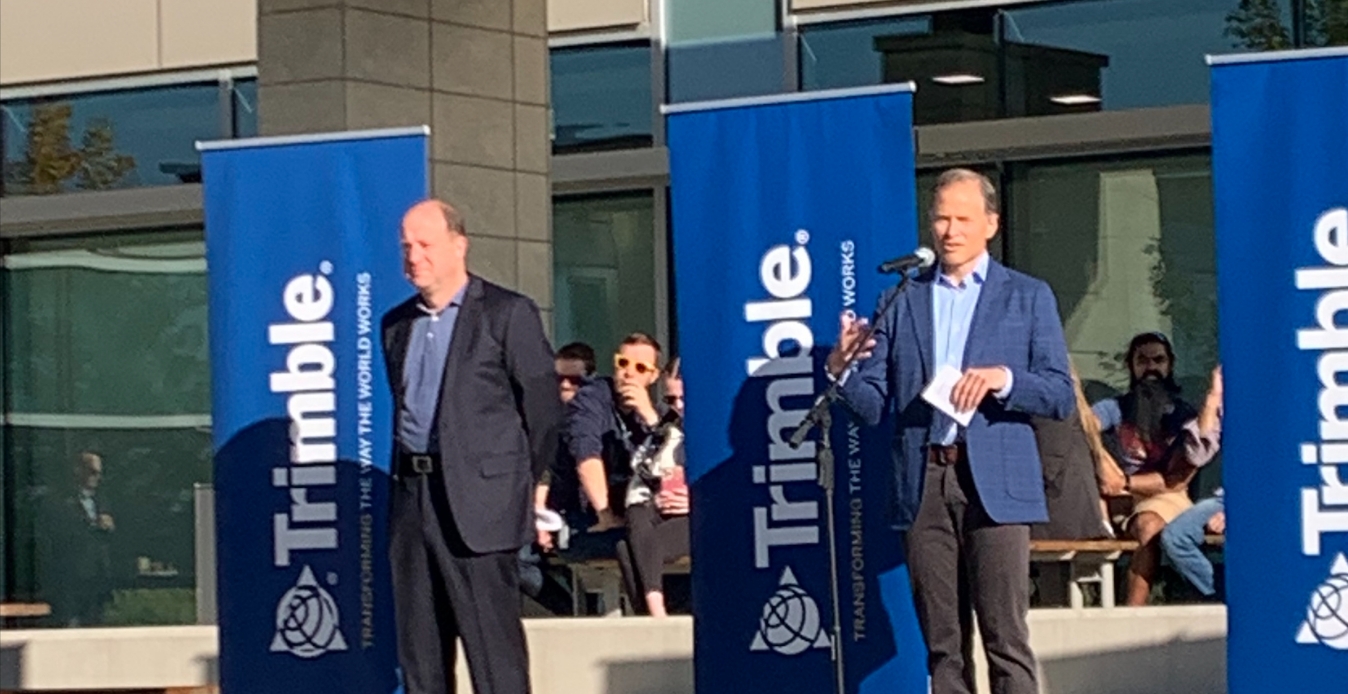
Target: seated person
x=607 y=421
x=657 y=506
x=1070 y=451
x=557 y=495
x=1183 y=538
x=559 y=489
x=1143 y=433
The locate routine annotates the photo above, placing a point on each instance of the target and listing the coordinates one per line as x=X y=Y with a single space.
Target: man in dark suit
x=477 y=422
x=80 y=564
x=966 y=494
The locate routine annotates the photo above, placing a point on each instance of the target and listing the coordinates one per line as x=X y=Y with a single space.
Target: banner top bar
x=310 y=138
x=821 y=95
x=1273 y=56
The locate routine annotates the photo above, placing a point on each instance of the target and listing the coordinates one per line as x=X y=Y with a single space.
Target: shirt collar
x=456 y=302
x=979 y=274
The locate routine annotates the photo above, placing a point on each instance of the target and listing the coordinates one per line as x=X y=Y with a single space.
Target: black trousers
x=442 y=591
x=962 y=564
x=652 y=540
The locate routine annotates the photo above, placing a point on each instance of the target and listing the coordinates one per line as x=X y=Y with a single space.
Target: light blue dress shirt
x=423 y=374
x=952 y=309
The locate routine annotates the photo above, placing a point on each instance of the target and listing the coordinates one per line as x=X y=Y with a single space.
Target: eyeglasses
x=673 y=400
x=570 y=379
x=641 y=367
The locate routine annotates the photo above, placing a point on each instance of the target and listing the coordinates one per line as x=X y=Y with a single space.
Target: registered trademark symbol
x=332 y=578
x=325 y=267
x=802 y=237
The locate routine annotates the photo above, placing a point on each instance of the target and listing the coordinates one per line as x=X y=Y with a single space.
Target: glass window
x=245 y=107
x=107 y=425
x=834 y=56
x=604 y=275
x=1128 y=246
x=601 y=97
x=1149 y=52
x=1325 y=22
x=103 y=140
x=1050 y=58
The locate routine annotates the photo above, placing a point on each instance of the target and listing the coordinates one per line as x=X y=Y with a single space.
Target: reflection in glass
x=834 y=56
x=1155 y=48
x=245 y=107
x=1127 y=246
x=105 y=140
x=105 y=357
x=603 y=268
x=1050 y=58
x=601 y=97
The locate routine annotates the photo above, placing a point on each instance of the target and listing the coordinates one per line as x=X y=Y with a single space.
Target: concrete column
x=476 y=71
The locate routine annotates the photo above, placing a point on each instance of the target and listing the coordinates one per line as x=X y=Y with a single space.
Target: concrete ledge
x=107 y=659
x=1089 y=651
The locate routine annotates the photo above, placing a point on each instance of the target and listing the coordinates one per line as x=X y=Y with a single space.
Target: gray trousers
x=962 y=564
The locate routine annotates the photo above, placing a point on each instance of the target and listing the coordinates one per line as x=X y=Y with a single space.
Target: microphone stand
x=820 y=416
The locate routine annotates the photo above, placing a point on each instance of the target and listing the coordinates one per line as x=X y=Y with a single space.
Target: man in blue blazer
x=965 y=495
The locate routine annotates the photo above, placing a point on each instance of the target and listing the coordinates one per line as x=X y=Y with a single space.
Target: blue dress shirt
x=952 y=310
x=423 y=374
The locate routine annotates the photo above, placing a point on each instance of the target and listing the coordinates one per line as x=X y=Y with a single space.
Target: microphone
x=922 y=258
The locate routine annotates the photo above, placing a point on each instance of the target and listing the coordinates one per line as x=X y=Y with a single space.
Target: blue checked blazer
x=1016 y=325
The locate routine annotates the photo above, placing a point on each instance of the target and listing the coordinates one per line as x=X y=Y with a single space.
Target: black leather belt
x=411 y=464
x=946 y=455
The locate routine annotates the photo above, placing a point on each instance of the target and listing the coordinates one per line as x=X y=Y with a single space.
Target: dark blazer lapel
x=920 y=310
x=465 y=333
x=395 y=343
x=991 y=303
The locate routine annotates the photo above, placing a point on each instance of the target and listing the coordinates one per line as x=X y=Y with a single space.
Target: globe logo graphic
x=1327 y=614
x=790 y=624
x=307 y=620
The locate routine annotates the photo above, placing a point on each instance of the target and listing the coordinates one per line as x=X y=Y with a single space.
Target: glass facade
x=104 y=354
x=604 y=271
x=601 y=97
x=1049 y=58
x=106 y=425
x=1127 y=245
x=123 y=138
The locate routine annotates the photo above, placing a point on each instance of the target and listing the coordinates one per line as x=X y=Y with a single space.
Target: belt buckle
x=421 y=464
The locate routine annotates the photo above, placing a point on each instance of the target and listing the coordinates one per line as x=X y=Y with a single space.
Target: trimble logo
x=306 y=523
x=781 y=517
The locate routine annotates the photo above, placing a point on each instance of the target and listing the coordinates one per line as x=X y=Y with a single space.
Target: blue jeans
x=1182 y=541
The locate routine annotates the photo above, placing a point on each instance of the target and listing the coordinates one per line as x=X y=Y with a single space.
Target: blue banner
x=1280 y=168
x=782 y=208
x=303 y=258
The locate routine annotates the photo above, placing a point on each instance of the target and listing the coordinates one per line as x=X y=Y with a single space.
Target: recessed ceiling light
x=959 y=78
x=1075 y=99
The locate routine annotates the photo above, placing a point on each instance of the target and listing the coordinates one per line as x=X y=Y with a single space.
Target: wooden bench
x=1091 y=561
x=17 y=610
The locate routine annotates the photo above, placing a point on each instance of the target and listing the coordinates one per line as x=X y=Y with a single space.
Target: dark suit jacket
x=1069 y=482
x=499 y=414
x=1015 y=325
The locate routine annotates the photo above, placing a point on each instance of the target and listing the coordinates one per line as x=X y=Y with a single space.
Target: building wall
x=47 y=40
x=42 y=40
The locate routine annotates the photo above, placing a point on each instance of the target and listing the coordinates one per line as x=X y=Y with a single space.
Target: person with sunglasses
x=657 y=505
x=608 y=420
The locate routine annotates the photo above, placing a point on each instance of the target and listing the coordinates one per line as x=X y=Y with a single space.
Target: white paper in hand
x=938 y=393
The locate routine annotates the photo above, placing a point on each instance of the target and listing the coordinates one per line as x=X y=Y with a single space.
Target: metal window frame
x=869 y=11
x=128 y=82
x=627 y=171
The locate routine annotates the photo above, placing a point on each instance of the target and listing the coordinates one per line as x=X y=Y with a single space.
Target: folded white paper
x=938 y=393
x=547 y=520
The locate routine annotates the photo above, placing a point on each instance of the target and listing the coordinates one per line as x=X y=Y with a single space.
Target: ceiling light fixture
x=958 y=79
